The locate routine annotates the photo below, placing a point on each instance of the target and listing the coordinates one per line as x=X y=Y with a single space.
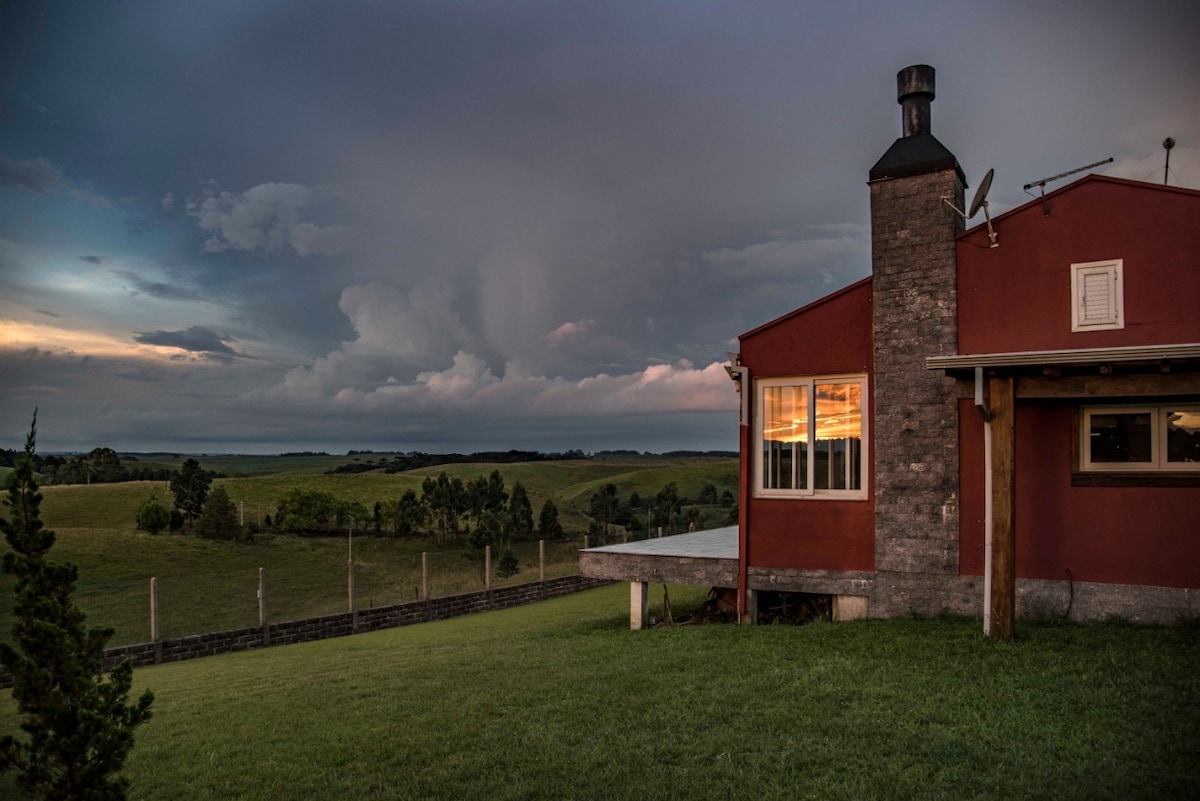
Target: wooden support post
x=541 y=560
x=1003 y=466
x=639 y=605
x=424 y=576
x=487 y=567
x=750 y=616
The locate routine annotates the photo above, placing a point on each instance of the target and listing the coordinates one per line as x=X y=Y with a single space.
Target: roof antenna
x=1042 y=183
x=1168 y=143
x=980 y=201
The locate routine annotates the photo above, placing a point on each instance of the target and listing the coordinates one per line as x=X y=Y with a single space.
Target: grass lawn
x=560 y=701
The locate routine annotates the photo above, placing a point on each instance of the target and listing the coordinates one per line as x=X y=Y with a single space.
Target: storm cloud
x=449 y=225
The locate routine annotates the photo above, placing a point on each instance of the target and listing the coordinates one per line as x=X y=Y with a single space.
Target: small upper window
x=1097 y=301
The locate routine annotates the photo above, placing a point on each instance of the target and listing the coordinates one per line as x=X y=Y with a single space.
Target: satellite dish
x=979 y=202
x=981 y=195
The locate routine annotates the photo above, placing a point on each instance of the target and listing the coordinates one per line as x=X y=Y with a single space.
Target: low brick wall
x=339 y=625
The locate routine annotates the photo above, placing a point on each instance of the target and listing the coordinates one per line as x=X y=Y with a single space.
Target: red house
x=1011 y=428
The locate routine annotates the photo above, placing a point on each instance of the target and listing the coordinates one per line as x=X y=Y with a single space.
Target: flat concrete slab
x=716 y=543
x=705 y=558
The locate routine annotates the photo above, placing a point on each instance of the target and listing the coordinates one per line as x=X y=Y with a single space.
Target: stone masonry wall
x=339 y=625
x=915 y=419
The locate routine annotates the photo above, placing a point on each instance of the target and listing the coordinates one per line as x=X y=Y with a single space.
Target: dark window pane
x=1183 y=436
x=1121 y=438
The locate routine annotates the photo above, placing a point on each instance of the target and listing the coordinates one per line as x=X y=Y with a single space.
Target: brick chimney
x=915 y=427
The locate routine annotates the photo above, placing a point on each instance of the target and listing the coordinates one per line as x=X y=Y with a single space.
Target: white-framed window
x=1149 y=437
x=1097 y=295
x=810 y=435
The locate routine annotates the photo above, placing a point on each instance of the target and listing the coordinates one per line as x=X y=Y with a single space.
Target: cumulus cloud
x=469 y=386
x=266 y=217
x=567 y=332
x=421 y=327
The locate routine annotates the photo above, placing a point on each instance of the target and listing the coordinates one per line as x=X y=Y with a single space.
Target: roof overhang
x=1080 y=357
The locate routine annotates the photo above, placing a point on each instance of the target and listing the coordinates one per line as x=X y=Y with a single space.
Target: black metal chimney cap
x=917 y=151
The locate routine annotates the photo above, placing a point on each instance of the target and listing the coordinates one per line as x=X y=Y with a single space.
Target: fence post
x=585 y=542
x=542 y=561
x=424 y=576
x=154 y=638
x=487 y=568
x=350 y=592
x=262 y=605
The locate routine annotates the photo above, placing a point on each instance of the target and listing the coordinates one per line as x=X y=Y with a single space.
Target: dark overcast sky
x=267 y=226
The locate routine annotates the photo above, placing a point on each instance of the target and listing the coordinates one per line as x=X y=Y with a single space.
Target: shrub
x=153 y=516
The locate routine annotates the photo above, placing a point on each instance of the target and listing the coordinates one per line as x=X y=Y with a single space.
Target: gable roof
x=807 y=307
x=1045 y=201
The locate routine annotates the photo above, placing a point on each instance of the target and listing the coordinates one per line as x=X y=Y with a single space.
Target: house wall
x=1130 y=535
x=831 y=336
x=1017 y=297
x=813 y=534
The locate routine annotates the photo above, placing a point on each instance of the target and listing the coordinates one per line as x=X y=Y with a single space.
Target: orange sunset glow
x=838 y=412
x=20 y=336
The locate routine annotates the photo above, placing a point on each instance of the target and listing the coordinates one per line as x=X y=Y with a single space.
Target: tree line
x=667 y=510
x=481 y=512
x=416 y=460
x=98 y=466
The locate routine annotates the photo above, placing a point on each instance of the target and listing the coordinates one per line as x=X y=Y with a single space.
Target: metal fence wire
x=191 y=602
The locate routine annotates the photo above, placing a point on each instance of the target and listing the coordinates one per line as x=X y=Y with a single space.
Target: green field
x=212 y=586
x=259 y=487
x=559 y=700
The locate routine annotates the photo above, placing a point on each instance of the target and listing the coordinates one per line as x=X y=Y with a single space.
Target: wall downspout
x=986 y=414
x=741 y=375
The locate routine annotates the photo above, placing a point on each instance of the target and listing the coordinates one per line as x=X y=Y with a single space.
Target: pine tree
x=219 y=519
x=520 y=512
x=548 y=523
x=78 y=724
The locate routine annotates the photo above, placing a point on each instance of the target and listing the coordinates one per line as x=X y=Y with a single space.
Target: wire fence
x=196 y=601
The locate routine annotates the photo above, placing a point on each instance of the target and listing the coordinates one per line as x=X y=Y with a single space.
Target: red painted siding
x=1017 y=297
x=812 y=534
x=831 y=336
x=1116 y=535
